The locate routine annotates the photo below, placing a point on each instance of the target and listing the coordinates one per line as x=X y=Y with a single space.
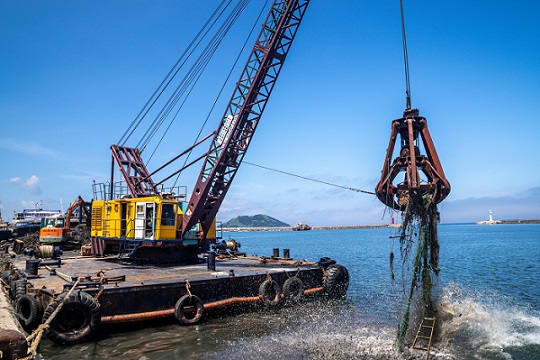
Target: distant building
x=490 y=221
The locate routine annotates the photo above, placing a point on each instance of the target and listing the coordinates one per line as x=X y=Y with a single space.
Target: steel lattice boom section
x=243 y=112
x=133 y=171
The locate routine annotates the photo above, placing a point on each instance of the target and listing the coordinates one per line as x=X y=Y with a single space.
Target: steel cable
x=224 y=84
x=170 y=76
x=193 y=73
x=405 y=57
x=311 y=179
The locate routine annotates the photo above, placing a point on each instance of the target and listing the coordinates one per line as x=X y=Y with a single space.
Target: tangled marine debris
x=424 y=185
x=420 y=219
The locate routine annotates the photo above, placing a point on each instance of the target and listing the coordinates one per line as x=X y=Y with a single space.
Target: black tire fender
x=293 y=289
x=336 y=281
x=5 y=275
x=189 y=310
x=18 y=288
x=29 y=311
x=270 y=292
x=77 y=321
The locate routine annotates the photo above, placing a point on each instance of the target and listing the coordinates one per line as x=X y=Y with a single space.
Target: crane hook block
x=412 y=164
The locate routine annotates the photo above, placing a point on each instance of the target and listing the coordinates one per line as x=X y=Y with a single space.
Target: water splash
x=487 y=326
x=323 y=332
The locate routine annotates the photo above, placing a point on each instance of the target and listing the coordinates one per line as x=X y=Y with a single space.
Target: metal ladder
x=127 y=248
x=425 y=335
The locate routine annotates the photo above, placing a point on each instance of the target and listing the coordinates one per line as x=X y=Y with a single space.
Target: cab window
x=167 y=215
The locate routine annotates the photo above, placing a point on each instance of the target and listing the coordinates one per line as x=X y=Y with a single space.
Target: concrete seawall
x=13 y=343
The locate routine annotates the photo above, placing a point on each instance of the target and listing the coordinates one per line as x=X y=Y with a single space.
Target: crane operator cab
x=146 y=228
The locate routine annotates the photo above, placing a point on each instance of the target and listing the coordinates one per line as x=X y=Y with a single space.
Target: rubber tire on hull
x=336 y=282
x=189 y=310
x=293 y=290
x=29 y=311
x=18 y=288
x=5 y=275
x=78 y=319
x=270 y=292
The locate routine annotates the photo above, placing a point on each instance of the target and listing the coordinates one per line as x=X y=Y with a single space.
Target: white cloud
x=32 y=148
x=31 y=184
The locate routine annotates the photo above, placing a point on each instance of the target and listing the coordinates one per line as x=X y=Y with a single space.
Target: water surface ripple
x=488 y=297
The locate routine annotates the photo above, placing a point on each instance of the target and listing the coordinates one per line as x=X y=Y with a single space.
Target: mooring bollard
x=286 y=253
x=32 y=267
x=211 y=261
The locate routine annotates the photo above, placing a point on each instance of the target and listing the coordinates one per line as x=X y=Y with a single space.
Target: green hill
x=254 y=221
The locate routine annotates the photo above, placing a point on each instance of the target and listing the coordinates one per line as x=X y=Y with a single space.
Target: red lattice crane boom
x=238 y=124
x=243 y=112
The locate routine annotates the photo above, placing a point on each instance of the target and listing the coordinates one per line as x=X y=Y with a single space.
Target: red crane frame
x=243 y=112
x=238 y=124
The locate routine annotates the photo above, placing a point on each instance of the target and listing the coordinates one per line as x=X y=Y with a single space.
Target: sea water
x=487 y=299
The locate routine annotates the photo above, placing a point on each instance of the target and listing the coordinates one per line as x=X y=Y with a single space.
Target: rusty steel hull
x=127 y=292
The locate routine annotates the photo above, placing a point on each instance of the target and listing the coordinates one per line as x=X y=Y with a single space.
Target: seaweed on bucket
x=420 y=220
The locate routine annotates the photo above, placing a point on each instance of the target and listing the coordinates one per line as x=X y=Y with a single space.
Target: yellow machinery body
x=150 y=219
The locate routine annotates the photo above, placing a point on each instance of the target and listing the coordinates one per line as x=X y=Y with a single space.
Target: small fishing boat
x=301 y=226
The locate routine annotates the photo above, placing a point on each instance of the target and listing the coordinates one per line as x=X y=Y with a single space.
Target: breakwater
x=290 y=228
x=511 y=222
x=537 y=221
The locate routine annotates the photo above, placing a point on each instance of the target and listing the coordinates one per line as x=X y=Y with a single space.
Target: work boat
x=301 y=226
x=33 y=215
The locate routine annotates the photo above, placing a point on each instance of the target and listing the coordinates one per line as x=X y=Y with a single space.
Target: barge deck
x=81 y=293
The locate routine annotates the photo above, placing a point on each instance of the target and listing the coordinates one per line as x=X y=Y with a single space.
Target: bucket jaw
x=412 y=163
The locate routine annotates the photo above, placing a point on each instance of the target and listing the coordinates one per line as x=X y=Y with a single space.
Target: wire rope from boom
x=167 y=80
x=218 y=96
x=311 y=179
x=192 y=76
x=129 y=159
x=405 y=57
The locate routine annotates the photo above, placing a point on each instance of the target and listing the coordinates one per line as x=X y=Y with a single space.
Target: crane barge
x=147 y=226
x=148 y=219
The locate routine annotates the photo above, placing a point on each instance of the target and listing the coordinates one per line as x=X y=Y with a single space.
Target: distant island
x=255 y=221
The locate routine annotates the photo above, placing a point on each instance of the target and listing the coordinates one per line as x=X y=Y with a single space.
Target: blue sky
x=73 y=75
